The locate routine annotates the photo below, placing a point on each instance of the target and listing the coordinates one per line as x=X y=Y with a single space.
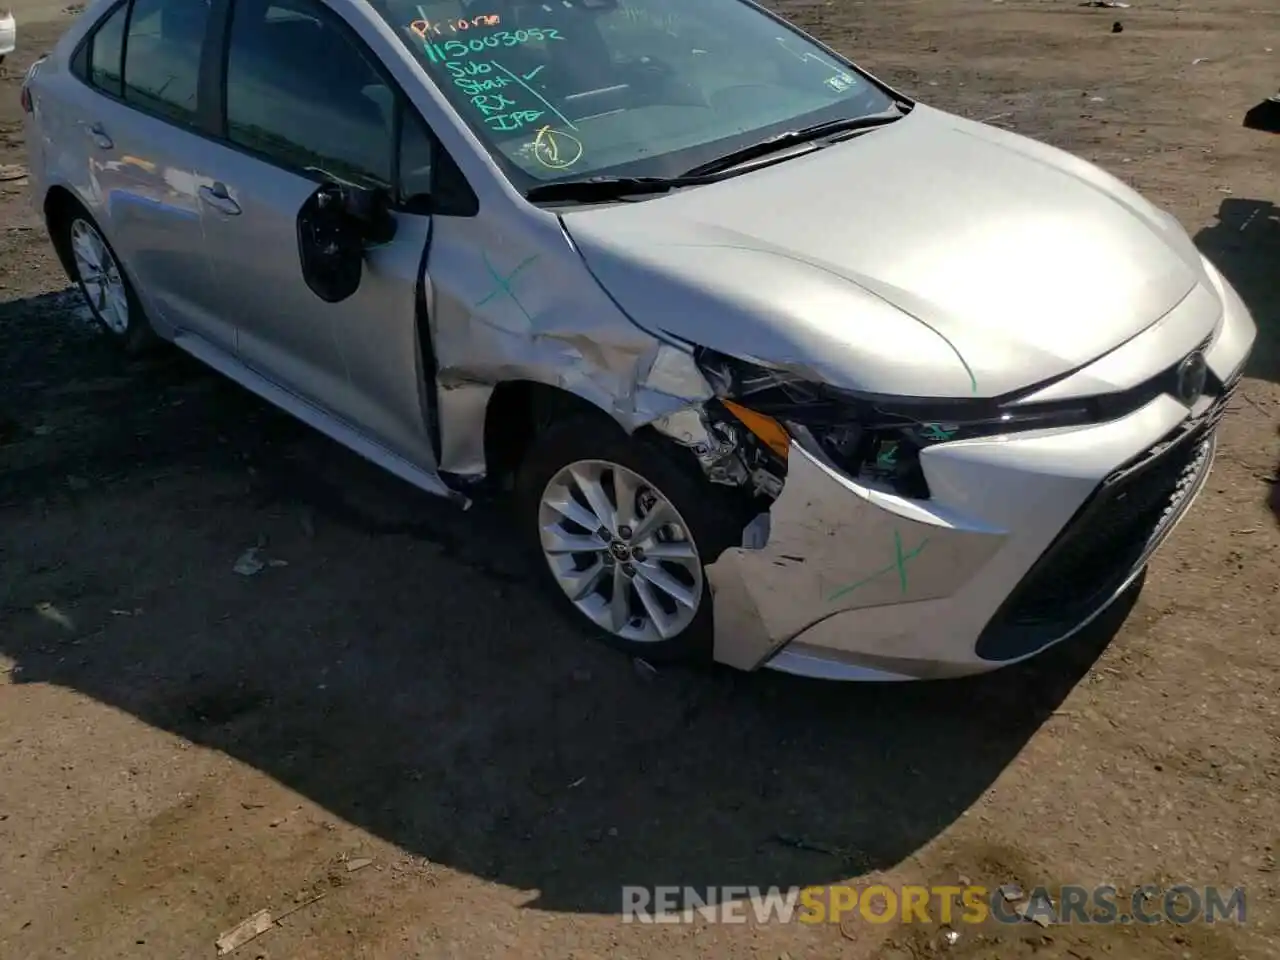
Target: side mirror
x=334 y=226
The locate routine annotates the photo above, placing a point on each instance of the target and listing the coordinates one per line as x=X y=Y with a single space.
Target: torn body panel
x=834 y=546
x=714 y=444
x=729 y=453
x=519 y=304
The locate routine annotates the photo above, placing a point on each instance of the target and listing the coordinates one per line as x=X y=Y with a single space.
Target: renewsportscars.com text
x=1104 y=904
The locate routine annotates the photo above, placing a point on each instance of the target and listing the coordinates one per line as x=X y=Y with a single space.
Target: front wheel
x=623 y=530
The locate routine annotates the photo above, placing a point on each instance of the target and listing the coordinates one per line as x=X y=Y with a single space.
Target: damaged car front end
x=937 y=541
x=920 y=530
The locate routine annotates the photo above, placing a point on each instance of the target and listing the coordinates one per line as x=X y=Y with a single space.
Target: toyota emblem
x=1191 y=376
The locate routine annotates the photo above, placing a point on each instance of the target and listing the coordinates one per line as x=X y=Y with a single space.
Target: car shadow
x=1265 y=116
x=1244 y=244
x=403 y=673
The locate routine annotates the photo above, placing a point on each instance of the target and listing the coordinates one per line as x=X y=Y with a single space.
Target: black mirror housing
x=334 y=226
x=371 y=211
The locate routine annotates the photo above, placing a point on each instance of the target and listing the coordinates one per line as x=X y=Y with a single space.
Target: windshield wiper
x=788 y=138
x=598 y=189
x=601 y=189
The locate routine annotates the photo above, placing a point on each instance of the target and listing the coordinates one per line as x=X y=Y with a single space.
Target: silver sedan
x=781 y=367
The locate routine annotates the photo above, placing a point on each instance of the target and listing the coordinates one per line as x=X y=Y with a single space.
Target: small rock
x=249 y=563
x=1039 y=910
x=1011 y=892
x=358 y=864
x=244 y=931
x=1117 y=27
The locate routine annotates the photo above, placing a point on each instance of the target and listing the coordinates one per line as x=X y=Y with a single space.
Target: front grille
x=1105 y=541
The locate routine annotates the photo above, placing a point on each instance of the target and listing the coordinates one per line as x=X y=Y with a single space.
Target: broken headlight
x=870 y=437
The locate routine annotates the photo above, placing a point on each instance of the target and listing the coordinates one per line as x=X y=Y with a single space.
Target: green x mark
x=936 y=431
x=503 y=284
x=899 y=564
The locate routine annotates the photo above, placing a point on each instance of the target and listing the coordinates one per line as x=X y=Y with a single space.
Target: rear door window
x=105 y=51
x=162 y=57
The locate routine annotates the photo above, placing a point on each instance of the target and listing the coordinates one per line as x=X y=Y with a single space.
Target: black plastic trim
x=1011 y=634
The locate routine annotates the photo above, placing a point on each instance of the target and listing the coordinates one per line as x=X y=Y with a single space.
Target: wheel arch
x=59 y=204
x=517 y=410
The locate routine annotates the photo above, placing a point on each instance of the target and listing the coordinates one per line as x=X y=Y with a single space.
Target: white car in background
x=8 y=35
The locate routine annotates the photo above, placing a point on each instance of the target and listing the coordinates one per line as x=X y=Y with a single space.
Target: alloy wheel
x=100 y=275
x=620 y=551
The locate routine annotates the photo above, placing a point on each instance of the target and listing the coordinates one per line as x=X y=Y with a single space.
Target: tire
x=119 y=313
x=711 y=518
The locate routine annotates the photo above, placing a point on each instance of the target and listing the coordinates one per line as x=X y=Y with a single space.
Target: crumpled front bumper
x=854 y=584
x=831 y=547
x=841 y=581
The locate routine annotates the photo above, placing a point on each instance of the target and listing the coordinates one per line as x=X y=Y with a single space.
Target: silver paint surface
x=934 y=256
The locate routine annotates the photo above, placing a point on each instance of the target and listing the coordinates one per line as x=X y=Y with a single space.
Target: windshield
x=566 y=89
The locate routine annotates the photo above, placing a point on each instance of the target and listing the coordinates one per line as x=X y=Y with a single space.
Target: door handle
x=217 y=197
x=100 y=138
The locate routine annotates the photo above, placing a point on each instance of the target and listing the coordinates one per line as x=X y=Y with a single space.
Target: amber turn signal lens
x=768 y=430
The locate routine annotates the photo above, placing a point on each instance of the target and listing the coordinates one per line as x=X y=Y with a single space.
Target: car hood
x=932 y=257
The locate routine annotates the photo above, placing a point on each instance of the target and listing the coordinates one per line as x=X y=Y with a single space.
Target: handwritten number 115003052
x=458 y=49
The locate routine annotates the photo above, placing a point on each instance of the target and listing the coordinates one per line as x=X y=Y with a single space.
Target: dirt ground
x=181 y=746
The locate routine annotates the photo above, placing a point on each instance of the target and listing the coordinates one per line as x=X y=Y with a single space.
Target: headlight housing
x=872 y=438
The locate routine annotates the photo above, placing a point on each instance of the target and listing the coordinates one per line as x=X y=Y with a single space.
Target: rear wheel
x=622 y=530
x=103 y=284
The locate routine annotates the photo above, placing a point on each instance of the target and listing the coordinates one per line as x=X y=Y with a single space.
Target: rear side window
x=105 y=50
x=162 y=56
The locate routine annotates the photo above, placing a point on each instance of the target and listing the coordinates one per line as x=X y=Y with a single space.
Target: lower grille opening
x=1101 y=546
